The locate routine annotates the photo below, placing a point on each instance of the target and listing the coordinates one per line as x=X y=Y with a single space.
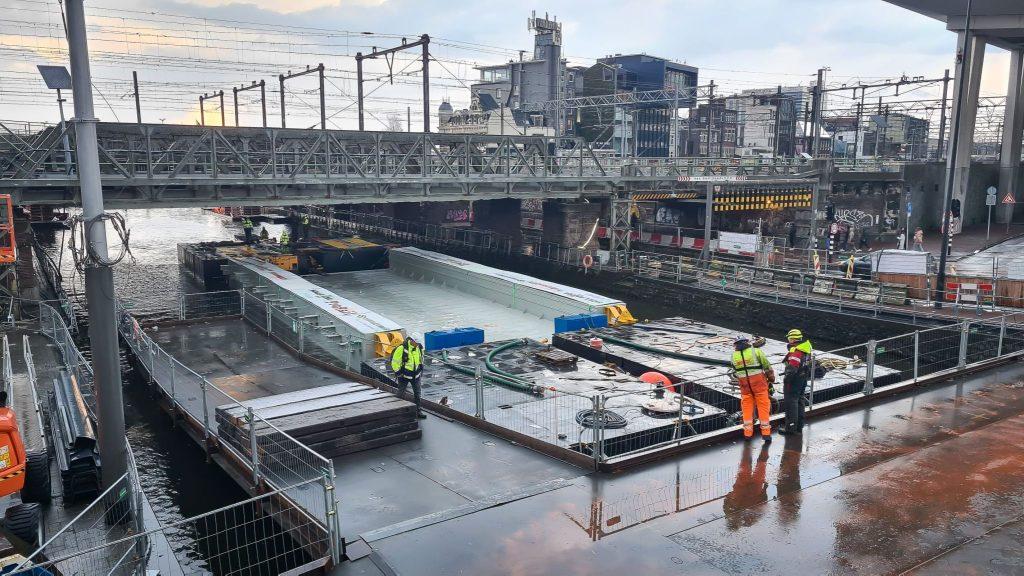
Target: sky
x=183 y=48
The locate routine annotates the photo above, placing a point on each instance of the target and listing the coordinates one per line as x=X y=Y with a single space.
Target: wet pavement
x=928 y=482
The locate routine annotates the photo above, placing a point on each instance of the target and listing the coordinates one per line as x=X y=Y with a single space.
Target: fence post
x=174 y=402
x=810 y=384
x=479 y=393
x=253 y=452
x=152 y=360
x=206 y=418
x=597 y=447
x=964 y=331
x=869 y=374
x=330 y=517
x=267 y=304
x=241 y=303
x=302 y=344
x=1002 y=335
x=181 y=307
x=917 y=353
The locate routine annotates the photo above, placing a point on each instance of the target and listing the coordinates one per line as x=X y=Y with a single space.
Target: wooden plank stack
x=332 y=420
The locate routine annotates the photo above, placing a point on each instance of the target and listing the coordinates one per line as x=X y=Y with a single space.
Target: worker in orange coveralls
x=756 y=376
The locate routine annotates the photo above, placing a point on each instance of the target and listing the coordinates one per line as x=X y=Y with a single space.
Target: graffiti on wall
x=854 y=217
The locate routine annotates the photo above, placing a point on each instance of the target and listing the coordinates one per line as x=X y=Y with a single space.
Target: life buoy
x=588 y=261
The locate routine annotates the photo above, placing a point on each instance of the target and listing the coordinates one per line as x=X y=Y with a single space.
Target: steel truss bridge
x=159 y=165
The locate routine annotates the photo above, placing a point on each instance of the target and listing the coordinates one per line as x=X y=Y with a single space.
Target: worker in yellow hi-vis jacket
x=407 y=364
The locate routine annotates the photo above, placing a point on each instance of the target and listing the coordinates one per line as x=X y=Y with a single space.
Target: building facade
x=710 y=131
x=530 y=86
x=767 y=123
x=646 y=130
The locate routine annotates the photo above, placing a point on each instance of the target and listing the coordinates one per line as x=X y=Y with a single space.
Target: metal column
x=709 y=206
x=99 y=278
x=1013 y=128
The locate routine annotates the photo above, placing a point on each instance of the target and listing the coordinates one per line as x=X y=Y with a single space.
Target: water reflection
x=748 y=490
x=788 y=486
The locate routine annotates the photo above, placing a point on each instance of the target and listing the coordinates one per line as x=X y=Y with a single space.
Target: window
x=606 y=74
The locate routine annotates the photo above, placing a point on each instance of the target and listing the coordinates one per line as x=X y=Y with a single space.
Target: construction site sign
x=1009 y=199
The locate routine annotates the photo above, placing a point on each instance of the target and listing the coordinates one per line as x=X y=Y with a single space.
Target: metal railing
x=837 y=376
x=806 y=289
x=30 y=372
x=8 y=371
x=267 y=534
x=52 y=325
x=270 y=455
x=107 y=537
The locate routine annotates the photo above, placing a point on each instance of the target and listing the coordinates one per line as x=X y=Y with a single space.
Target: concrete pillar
x=975 y=55
x=1013 y=129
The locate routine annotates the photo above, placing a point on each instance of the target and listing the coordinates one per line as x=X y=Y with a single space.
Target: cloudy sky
x=184 y=48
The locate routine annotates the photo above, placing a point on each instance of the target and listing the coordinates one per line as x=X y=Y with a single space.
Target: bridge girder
x=147 y=165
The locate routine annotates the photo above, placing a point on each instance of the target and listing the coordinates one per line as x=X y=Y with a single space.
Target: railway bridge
x=160 y=165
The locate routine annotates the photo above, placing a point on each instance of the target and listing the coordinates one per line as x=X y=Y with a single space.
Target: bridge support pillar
x=966 y=114
x=1013 y=130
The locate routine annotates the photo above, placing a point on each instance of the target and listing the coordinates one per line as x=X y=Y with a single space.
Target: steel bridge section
x=158 y=165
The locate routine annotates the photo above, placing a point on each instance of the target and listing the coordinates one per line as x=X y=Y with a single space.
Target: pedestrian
x=794 y=381
x=756 y=378
x=791 y=236
x=901 y=240
x=407 y=364
x=864 y=244
x=919 y=240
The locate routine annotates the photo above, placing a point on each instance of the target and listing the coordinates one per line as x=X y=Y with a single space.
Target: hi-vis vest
x=749 y=362
x=406 y=360
x=798 y=360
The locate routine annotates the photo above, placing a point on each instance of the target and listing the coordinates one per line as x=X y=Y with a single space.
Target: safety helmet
x=794 y=334
x=741 y=339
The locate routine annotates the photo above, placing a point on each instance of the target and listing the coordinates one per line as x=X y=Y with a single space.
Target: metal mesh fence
x=265 y=535
x=226 y=424
x=84 y=545
x=210 y=304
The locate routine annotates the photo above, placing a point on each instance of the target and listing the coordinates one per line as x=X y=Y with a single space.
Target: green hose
x=508 y=381
x=488 y=361
x=669 y=353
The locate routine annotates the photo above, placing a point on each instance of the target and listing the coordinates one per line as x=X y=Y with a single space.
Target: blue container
x=440 y=339
x=576 y=322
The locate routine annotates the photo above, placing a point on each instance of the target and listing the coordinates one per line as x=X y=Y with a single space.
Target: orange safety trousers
x=754 y=390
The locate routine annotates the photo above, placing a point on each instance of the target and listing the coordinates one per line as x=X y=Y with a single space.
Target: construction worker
x=247 y=227
x=264 y=234
x=794 y=380
x=755 y=375
x=407 y=364
x=305 y=227
x=284 y=238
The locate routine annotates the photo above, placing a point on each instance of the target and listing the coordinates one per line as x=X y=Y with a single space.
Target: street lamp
x=57 y=78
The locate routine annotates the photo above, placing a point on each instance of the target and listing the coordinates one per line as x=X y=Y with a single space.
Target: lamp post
x=57 y=78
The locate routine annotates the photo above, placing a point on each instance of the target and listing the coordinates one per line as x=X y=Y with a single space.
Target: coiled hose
x=669 y=353
x=605 y=419
x=496 y=378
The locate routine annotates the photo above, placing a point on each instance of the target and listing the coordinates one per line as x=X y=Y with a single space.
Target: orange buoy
x=12 y=454
x=658 y=380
